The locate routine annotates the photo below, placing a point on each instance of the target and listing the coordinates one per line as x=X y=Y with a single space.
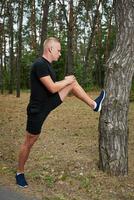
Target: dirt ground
x=63 y=164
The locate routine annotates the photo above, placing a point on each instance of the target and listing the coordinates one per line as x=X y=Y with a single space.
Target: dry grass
x=63 y=162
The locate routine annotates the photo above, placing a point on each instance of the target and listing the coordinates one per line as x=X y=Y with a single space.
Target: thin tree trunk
x=1 y=75
x=70 y=35
x=11 y=38
x=46 y=5
x=33 y=27
x=85 y=66
x=4 y=48
x=19 y=48
x=107 y=51
x=98 y=56
x=113 y=125
x=1 y=47
x=1 y=58
x=54 y=21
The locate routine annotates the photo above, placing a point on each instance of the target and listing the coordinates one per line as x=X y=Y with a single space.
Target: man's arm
x=56 y=86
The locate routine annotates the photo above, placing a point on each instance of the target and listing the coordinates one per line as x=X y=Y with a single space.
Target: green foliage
x=57 y=26
x=49 y=180
x=78 y=72
x=132 y=91
x=84 y=182
x=54 y=198
x=6 y=79
x=27 y=60
x=59 y=66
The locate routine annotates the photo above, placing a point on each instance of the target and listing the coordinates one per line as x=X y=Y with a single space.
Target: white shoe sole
x=100 y=106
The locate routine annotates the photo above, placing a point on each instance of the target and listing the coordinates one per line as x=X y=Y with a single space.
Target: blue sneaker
x=99 y=101
x=21 y=181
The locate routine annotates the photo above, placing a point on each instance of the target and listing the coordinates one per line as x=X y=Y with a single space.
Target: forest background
x=86 y=29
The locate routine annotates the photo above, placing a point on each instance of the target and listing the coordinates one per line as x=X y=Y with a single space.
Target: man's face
x=56 y=51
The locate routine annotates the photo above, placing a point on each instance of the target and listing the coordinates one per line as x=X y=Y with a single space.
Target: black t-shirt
x=40 y=68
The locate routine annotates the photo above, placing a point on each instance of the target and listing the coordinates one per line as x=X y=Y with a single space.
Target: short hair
x=50 y=39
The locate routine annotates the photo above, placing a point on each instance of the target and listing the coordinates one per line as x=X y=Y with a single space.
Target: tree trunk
x=113 y=125
x=1 y=75
x=107 y=50
x=33 y=27
x=98 y=61
x=10 y=15
x=19 y=48
x=1 y=58
x=44 y=23
x=4 y=47
x=89 y=45
x=1 y=47
x=70 y=34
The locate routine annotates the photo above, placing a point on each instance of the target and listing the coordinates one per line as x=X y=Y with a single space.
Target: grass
x=63 y=164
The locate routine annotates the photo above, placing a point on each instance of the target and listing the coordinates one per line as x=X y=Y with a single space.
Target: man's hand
x=70 y=78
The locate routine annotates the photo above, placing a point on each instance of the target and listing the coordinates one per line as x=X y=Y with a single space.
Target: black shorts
x=37 y=113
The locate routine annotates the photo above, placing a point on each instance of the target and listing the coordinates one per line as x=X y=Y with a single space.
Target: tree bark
x=85 y=66
x=113 y=124
x=46 y=5
x=4 y=46
x=33 y=26
x=107 y=48
x=1 y=58
x=19 y=47
x=11 y=39
x=1 y=47
x=99 y=71
x=70 y=34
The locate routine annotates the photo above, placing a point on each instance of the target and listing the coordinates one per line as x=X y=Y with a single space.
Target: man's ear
x=50 y=49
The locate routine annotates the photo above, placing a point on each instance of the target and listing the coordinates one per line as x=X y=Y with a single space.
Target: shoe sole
x=100 y=106
x=22 y=186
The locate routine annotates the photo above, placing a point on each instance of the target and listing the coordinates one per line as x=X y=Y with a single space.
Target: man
x=46 y=95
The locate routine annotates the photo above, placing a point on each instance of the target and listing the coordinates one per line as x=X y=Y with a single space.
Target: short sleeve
x=42 y=70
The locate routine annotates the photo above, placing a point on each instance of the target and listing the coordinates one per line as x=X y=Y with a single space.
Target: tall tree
x=19 y=47
x=11 y=39
x=44 y=29
x=109 y=30
x=5 y=37
x=113 y=125
x=90 y=40
x=71 y=21
x=33 y=35
x=1 y=58
x=98 y=73
x=69 y=17
x=70 y=36
x=1 y=47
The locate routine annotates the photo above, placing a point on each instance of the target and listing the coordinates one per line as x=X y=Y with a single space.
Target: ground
x=63 y=164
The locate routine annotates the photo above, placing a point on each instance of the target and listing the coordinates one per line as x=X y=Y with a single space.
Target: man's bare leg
x=25 y=150
x=79 y=92
x=23 y=156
